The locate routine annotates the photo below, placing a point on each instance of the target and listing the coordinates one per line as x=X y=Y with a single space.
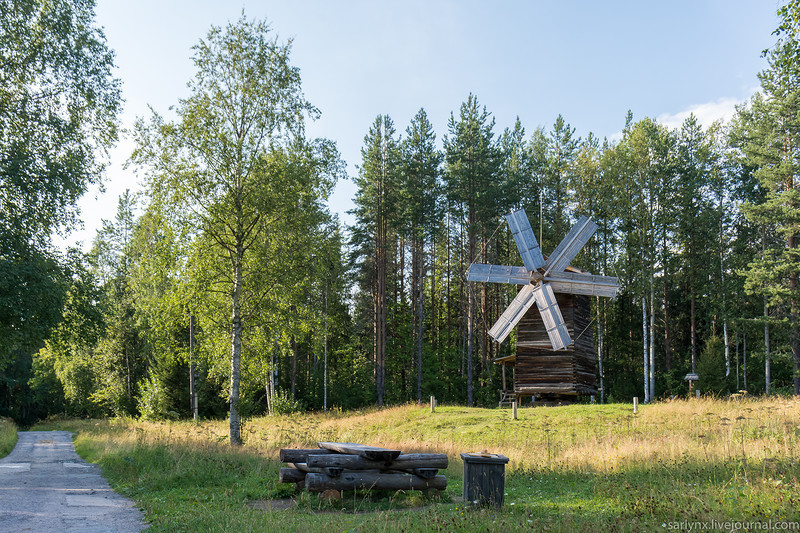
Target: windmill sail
x=499 y=274
x=570 y=245
x=588 y=284
x=526 y=241
x=553 y=280
x=551 y=316
x=513 y=313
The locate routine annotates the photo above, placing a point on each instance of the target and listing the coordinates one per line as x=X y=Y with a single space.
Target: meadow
x=572 y=468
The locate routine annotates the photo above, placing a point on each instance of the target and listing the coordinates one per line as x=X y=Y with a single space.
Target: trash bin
x=484 y=478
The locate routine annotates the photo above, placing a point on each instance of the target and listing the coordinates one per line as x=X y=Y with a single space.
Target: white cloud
x=721 y=109
x=706 y=114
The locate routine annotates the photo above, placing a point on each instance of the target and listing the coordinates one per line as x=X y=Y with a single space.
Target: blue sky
x=590 y=61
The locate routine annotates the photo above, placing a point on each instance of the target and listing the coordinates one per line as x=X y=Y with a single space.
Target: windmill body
x=565 y=366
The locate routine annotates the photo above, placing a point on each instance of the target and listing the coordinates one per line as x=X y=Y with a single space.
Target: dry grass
x=598 y=438
x=572 y=468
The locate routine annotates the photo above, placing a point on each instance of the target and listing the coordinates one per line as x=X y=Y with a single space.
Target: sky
x=589 y=61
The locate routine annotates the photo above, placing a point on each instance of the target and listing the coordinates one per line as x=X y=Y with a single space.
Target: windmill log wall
x=539 y=370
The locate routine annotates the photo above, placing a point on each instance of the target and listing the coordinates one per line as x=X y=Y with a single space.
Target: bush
x=152 y=401
x=283 y=404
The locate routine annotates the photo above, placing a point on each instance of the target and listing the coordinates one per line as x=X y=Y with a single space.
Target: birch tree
x=229 y=159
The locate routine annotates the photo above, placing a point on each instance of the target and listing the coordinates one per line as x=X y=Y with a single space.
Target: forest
x=228 y=288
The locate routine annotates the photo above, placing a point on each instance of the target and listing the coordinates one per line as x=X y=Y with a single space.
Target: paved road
x=45 y=486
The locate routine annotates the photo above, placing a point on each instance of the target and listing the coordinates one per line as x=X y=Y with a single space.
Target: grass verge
x=8 y=436
x=575 y=468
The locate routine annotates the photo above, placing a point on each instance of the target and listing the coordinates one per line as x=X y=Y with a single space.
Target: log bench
x=351 y=466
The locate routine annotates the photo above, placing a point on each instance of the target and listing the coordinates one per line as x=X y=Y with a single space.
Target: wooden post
x=433 y=404
x=635 y=404
x=514 y=410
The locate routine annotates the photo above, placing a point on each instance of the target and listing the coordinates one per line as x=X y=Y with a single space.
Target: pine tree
x=770 y=138
x=376 y=202
x=472 y=183
x=420 y=215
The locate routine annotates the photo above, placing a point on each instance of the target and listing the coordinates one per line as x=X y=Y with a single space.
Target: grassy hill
x=575 y=468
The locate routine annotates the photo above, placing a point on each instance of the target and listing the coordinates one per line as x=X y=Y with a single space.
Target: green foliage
x=767 y=133
x=8 y=436
x=283 y=404
x=237 y=167
x=58 y=109
x=711 y=367
x=152 y=402
x=26 y=317
x=234 y=232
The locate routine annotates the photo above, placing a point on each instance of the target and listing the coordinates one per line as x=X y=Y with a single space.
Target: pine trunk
x=419 y=262
x=470 y=323
x=767 y=369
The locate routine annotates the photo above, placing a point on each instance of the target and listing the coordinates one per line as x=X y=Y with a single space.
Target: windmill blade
x=575 y=283
x=570 y=245
x=526 y=241
x=513 y=313
x=499 y=274
x=551 y=316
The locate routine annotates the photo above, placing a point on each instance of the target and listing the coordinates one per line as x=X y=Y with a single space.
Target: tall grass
x=571 y=468
x=8 y=436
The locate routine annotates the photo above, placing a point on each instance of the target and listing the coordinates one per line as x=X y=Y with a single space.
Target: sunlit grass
x=8 y=436
x=583 y=467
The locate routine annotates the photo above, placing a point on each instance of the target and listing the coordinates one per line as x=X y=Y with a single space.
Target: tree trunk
x=667 y=347
x=652 y=338
x=744 y=359
x=236 y=343
x=599 y=350
x=380 y=316
x=470 y=322
x=419 y=261
x=646 y=352
x=795 y=323
x=294 y=367
x=767 y=370
x=484 y=330
x=693 y=325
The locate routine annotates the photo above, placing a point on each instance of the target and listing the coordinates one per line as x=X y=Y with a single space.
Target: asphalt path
x=45 y=486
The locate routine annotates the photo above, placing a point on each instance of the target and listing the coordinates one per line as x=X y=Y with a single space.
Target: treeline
x=230 y=264
x=671 y=227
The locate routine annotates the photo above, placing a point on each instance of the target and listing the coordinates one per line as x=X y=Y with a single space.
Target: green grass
x=576 y=468
x=8 y=436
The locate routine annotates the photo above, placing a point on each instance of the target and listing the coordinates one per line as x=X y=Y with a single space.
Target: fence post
x=433 y=404
x=635 y=404
x=514 y=410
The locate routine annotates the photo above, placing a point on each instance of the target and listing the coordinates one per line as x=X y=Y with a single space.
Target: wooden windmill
x=548 y=362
